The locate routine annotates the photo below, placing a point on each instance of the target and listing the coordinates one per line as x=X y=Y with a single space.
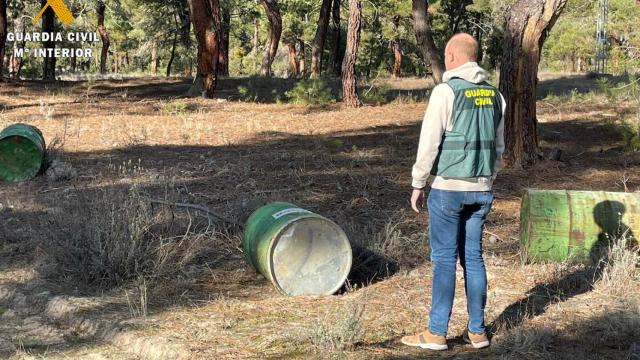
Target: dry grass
x=114 y=235
x=342 y=330
x=349 y=165
x=608 y=334
x=621 y=267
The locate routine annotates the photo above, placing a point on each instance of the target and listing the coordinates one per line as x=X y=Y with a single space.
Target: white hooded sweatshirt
x=437 y=120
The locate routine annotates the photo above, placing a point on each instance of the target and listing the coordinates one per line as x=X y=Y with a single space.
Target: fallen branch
x=494 y=235
x=198 y=207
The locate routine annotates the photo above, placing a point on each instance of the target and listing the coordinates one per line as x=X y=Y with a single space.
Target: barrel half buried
x=300 y=252
x=559 y=225
x=22 y=151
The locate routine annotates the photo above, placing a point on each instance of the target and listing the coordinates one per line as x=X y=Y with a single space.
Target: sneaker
x=426 y=340
x=478 y=341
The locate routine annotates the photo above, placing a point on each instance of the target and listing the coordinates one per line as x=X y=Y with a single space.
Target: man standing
x=461 y=145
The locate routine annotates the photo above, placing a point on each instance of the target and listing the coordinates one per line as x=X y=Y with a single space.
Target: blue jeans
x=456 y=221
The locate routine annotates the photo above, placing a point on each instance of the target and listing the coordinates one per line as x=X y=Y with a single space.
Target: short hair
x=465 y=45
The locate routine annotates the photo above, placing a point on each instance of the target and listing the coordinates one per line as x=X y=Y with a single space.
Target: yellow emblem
x=61 y=10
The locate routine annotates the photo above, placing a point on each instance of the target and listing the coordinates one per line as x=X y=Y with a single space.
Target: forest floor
x=352 y=166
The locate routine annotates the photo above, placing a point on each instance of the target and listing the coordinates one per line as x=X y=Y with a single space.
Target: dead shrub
x=620 y=267
x=380 y=252
x=112 y=236
x=341 y=330
x=524 y=342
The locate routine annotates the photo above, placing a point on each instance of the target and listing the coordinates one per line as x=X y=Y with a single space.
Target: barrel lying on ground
x=22 y=151
x=561 y=225
x=300 y=252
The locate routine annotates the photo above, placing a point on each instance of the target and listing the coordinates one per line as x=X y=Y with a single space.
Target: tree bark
x=422 y=26
x=255 y=42
x=337 y=34
x=104 y=36
x=349 y=85
x=116 y=60
x=321 y=35
x=173 y=53
x=3 y=33
x=174 y=45
x=48 y=25
x=223 y=57
x=528 y=24
x=580 y=65
x=15 y=63
x=303 y=59
x=478 y=36
x=73 y=64
x=154 y=58
x=182 y=10
x=293 y=60
x=275 y=31
x=397 y=50
x=185 y=32
x=205 y=15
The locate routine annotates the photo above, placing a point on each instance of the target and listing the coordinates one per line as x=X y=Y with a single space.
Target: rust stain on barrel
x=578 y=235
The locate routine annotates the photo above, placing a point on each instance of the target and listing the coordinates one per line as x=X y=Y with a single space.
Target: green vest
x=469 y=149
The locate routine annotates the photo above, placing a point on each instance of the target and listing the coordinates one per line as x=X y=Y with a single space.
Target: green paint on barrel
x=22 y=151
x=300 y=252
x=560 y=225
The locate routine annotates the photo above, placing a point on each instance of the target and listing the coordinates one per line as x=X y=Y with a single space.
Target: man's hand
x=417 y=200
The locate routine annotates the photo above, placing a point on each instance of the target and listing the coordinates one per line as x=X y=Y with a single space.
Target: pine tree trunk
x=422 y=27
x=15 y=63
x=335 y=46
x=579 y=64
x=275 y=30
x=185 y=25
x=349 y=86
x=528 y=24
x=116 y=60
x=3 y=33
x=397 y=50
x=321 y=35
x=154 y=58
x=255 y=42
x=104 y=36
x=73 y=64
x=223 y=58
x=205 y=15
x=293 y=60
x=303 y=59
x=48 y=25
x=177 y=19
x=478 y=36
x=173 y=53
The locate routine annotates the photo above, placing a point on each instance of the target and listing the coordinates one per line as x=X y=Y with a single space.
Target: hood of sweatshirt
x=470 y=71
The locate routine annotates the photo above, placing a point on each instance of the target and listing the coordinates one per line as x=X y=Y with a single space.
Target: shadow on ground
x=611 y=335
x=250 y=89
x=357 y=178
x=575 y=84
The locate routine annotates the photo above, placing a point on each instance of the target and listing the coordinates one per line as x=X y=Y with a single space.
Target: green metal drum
x=300 y=252
x=22 y=151
x=575 y=225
